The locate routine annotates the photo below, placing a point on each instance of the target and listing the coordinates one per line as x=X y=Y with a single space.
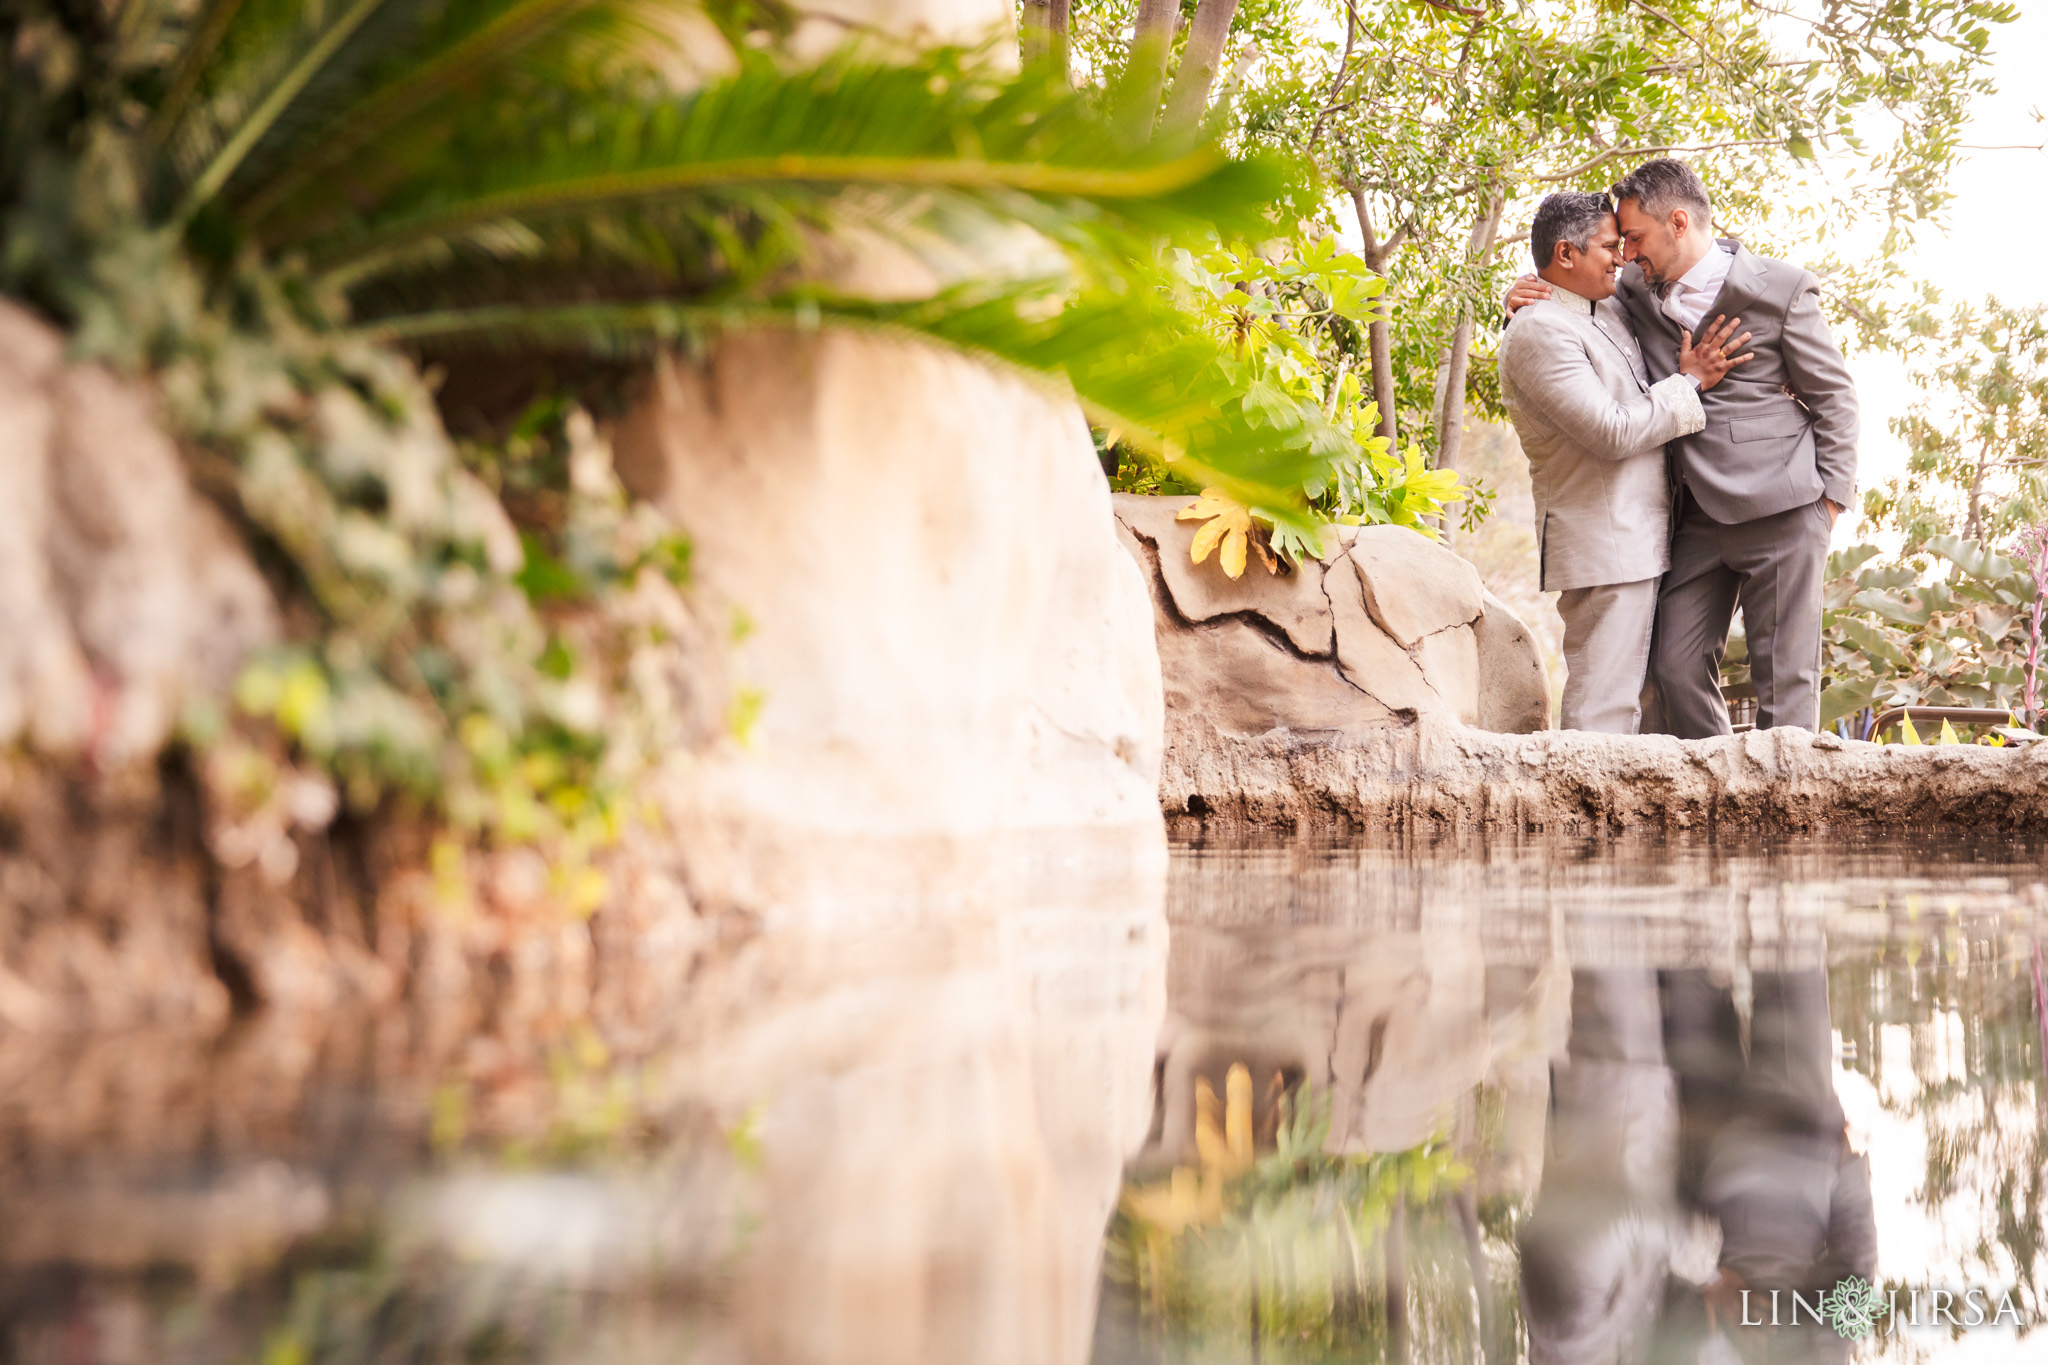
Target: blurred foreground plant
x=274 y=211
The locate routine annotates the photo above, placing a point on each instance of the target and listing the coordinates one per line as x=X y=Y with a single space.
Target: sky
x=1991 y=240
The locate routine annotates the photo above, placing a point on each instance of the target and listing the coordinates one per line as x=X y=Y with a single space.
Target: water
x=1524 y=1102
x=1331 y=1102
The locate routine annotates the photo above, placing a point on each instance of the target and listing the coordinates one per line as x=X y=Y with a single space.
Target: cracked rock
x=1414 y=587
x=1202 y=592
x=1300 y=661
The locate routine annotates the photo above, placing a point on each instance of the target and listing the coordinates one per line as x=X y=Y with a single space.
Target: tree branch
x=1315 y=133
x=1615 y=152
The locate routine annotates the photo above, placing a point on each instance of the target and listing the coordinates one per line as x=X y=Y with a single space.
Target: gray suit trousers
x=1606 y=650
x=1773 y=568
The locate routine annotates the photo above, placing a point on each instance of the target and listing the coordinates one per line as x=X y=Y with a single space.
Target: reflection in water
x=1564 y=1103
x=1527 y=1102
x=887 y=1127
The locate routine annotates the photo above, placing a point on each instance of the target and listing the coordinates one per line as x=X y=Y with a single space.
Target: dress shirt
x=1687 y=298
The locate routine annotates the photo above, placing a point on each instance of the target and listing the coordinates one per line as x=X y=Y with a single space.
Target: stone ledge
x=1434 y=776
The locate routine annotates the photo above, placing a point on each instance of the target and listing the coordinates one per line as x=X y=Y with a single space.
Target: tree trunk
x=1450 y=375
x=1151 y=45
x=1467 y=1209
x=1044 y=35
x=1378 y=334
x=1973 y=525
x=1396 y=1282
x=1207 y=34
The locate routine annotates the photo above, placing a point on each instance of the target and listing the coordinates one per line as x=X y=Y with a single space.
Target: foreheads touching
x=1577 y=243
x=1665 y=216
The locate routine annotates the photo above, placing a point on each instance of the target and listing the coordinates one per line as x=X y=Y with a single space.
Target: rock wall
x=1391 y=629
x=1437 y=776
x=123 y=594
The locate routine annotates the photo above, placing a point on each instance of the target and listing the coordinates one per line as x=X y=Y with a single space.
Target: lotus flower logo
x=1853 y=1307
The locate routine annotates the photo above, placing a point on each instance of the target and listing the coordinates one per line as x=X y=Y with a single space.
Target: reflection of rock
x=907 y=1112
x=1435 y=776
x=1391 y=628
x=1394 y=1029
x=945 y=1091
x=122 y=593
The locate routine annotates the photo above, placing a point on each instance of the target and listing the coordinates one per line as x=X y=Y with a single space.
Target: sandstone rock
x=1514 y=693
x=122 y=593
x=1414 y=586
x=1371 y=661
x=1450 y=660
x=1295 y=602
x=924 y=657
x=938 y=672
x=1439 y=776
x=1301 y=658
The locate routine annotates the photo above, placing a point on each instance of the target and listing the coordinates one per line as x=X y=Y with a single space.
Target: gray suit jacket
x=1594 y=428
x=1781 y=430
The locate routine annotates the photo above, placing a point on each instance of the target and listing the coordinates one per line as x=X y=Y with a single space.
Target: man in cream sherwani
x=1594 y=428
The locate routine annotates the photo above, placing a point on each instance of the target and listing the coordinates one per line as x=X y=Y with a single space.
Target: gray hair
x=1663 y=185
x=1567 y=216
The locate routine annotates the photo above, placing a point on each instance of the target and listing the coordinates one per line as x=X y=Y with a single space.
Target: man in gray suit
x=1759 y=488
x=1593 y=427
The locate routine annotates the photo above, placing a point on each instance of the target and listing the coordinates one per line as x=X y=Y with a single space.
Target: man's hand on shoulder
x=1527 y=290
x=1714 y=355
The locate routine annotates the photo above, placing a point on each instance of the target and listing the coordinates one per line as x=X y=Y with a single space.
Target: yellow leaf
x=1907 y=734
x=1948 y=734
x=1232 y=558
x=1237 y=1114
x=1210 y=1145
x=1228 y=523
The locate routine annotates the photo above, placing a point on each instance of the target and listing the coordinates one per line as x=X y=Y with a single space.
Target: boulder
x=1389 y=628
x=1414 y=587
x=1295 y=602
x=1514 y=691
x=945 y=683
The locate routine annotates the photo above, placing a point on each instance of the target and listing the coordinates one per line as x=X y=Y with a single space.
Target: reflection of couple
x=1663 y=1110
x=1603 y=376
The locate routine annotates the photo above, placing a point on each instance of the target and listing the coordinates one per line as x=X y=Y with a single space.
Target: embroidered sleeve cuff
x=1684 y=396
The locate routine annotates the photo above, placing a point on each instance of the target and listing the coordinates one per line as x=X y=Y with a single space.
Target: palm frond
x=191 y=65
x=274 y=52
x=1134 y=363
x=841 y=124
x=463 y=60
